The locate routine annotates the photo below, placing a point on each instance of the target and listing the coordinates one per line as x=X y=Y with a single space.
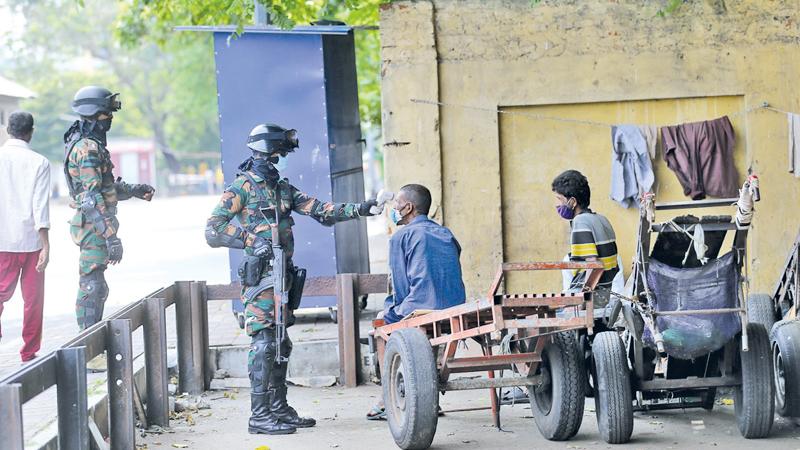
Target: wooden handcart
x=419 y=356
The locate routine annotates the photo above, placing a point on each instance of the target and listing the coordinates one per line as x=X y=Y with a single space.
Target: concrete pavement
x=341 y=424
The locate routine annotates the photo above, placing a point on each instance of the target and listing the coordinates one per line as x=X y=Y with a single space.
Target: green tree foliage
x=168 y=91
x=155 y=19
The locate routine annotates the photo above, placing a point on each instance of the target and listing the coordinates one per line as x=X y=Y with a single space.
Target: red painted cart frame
x=532 y=315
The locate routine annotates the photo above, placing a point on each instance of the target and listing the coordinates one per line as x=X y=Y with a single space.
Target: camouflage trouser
x=259 y=309
x=92 y=288
x=259 y=313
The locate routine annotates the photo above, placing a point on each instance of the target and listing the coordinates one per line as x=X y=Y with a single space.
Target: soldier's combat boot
x=280 y=406
x=285 y=413
x=261 y=361
x=262 y=421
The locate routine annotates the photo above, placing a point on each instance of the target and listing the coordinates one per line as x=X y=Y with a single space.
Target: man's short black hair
x=573 y=184
x=20 y=124
x=419 y=196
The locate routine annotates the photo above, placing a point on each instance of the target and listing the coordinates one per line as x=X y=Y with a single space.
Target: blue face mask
x=394 y=216
x=280 y=166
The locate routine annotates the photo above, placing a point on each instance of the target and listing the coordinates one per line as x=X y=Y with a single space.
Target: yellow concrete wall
x=612 y=62
x=532 y=151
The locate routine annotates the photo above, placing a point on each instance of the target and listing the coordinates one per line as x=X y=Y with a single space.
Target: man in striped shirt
x=592 y=237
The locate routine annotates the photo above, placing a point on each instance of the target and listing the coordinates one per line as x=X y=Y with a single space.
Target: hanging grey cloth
x=631 y=168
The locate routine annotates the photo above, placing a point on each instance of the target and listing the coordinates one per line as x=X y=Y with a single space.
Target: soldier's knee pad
x=94 y=289
x=260 y=360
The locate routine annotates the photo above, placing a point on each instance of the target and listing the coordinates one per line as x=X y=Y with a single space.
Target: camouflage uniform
x=88 y=166
x=240 y=200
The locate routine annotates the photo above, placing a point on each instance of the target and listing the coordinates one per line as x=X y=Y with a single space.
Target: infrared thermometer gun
x=383 y=197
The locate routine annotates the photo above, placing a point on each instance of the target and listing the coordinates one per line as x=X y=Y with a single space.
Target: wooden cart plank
x=481 y=362
x=461 y=384
x=546 y=323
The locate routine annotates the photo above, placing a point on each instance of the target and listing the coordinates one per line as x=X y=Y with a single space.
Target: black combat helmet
x=91 y=100
x=270 y=138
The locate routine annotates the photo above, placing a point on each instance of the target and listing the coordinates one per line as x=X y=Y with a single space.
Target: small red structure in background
x=134 y=160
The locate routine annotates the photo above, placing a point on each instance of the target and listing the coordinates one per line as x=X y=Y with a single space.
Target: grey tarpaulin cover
x=712 y=286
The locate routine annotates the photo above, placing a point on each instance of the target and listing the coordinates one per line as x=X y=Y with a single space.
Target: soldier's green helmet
x=91 y=100
x=270 y=138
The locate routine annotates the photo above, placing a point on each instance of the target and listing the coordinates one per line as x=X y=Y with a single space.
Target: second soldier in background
x=252 y=199
x=94 y=195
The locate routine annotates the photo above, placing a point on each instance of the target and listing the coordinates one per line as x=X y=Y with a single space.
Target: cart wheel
x=410 y=388
x=754 y=399
x=557 y=403
x=760 y=309
x=240 y=320
x=612 y=398
x=786 y=364
x=709 y=397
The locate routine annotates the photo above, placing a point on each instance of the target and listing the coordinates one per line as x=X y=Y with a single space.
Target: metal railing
x=65 y=367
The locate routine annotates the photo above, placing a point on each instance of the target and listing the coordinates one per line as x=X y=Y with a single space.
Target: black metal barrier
x=65 y=367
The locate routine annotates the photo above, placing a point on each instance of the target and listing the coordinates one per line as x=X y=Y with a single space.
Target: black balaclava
x=262 y=167
x=91 y=128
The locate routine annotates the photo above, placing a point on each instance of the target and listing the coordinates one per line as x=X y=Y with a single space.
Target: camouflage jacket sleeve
x=86 y=157
x=230 y=205
x=323 y=212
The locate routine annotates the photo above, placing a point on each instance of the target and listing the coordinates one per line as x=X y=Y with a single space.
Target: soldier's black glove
x=143 y=191
x=114 y=246
x=364 y=208
x=262 y=247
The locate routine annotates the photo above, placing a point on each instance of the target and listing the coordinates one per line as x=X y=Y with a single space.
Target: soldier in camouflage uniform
x=251 y=199
x=94 y=193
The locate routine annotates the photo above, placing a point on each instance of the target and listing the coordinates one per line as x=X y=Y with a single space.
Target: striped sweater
x=593 y=237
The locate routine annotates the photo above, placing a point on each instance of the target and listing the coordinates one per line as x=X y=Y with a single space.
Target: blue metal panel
x=279 y=78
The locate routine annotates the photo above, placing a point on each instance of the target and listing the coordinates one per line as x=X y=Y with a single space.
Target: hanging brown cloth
x=701 y=155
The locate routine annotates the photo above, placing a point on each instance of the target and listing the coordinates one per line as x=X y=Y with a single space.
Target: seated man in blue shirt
x=423 y=261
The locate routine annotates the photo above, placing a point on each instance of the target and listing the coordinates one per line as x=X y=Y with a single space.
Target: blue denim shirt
x=426 y=271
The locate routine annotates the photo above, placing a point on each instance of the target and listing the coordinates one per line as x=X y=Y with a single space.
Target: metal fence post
x=197 y=299
x=183 y=328
x=11 y=411
x=208 y=370
x=349 y=345
x=191 y=360
x=155 y=354
x=120 y=383
x=73 y=410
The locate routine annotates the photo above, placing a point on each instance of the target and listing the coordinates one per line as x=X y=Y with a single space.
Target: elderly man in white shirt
x=24 y=221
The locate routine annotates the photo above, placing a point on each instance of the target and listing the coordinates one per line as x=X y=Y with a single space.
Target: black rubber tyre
x=761 y=309
x=557 y=405
x=786 y=366
x=411 y=389
x=613 y=398
x=754 y=399
x=240 y=320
